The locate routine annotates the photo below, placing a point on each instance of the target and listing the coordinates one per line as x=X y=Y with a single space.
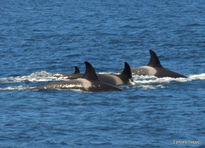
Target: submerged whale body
x=123 y=78
x=74 y=75
x=154 y=68
x=89 y=82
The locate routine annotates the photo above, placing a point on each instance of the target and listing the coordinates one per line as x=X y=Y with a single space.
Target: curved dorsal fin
x=126 y=73
x=154 y=60
x=90 y=73
x=76 y=70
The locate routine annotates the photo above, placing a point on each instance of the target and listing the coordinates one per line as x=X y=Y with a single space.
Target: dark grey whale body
x=123 y=78
x=89 y=82
x=114 y=79
x=154 y=68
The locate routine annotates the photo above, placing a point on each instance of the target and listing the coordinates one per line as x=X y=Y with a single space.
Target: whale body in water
x=88 y=82
x=123 y=78
x=154 y=68
x=74 y=75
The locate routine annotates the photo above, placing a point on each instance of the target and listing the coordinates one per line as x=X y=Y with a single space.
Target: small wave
x=153 y=79
x=145 y=87
x=42 y=76
x=15 y=88
x=145 y=82
x=197 y=77
x=152 y=82
x=20 y=87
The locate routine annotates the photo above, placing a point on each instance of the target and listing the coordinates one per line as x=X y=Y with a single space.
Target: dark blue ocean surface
x=41 y=37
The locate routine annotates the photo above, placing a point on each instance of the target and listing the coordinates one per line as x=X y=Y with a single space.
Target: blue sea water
x=41 y=37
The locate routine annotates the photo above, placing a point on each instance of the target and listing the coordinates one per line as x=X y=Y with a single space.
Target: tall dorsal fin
x=90 y=73
x=76 y=70
x=126 y=73
x=154 y=60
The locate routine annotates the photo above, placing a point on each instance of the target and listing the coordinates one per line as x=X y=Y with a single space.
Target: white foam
x=76 y=90
x=145 y=82
x=145 y=87
x=152 y=82
x=42 y=76
x=106 y=73
x=197 y=77
x=20 y=87
x=152 y=79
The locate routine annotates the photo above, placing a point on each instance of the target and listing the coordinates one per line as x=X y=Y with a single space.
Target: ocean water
x=41 y=37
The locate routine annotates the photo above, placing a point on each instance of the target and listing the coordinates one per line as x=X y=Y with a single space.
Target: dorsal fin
x=90 y=73
x=76 y=70
x=126 y=73
x=154 y=60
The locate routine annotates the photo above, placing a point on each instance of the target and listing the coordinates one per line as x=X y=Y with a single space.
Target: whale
x=115 y=79
x=89 y=82
x=154 y=68
x=123 y=78
x=75 y=74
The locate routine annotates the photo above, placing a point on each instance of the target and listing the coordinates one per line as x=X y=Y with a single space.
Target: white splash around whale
x=144 y=82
